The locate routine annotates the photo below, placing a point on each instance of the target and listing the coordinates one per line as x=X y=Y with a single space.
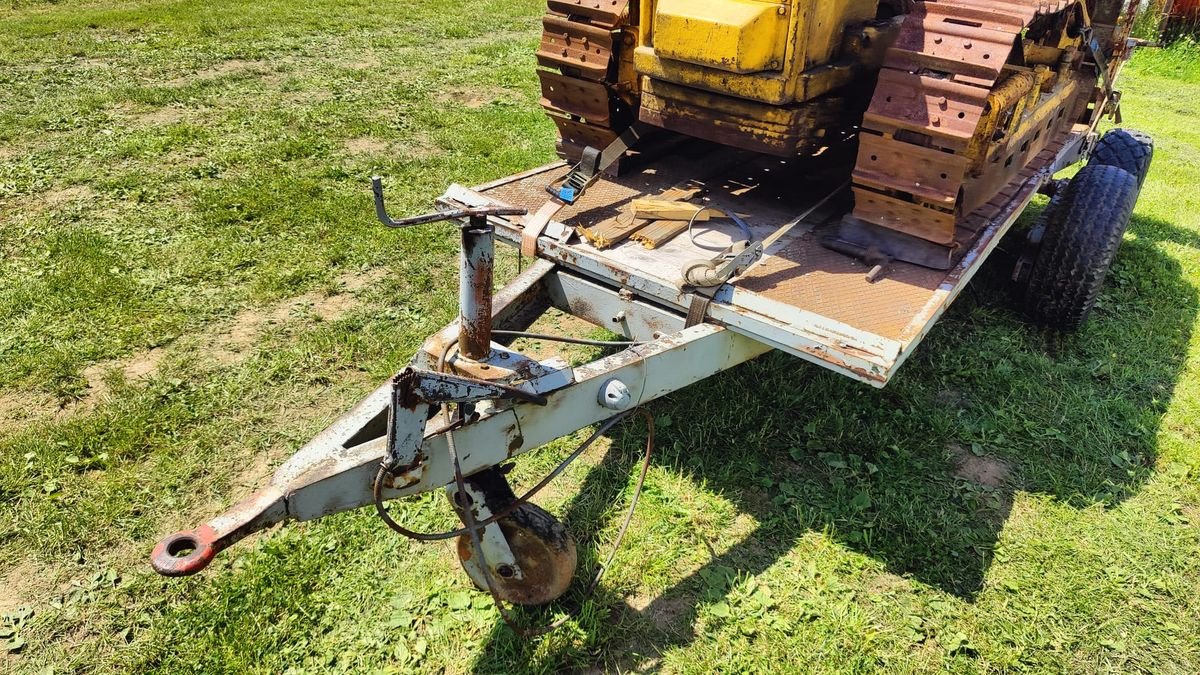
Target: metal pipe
x=476 y=262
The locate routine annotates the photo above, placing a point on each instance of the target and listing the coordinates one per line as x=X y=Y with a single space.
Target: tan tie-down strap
x=536 y=224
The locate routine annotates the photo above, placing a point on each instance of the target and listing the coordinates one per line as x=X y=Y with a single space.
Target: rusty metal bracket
x=416 y=391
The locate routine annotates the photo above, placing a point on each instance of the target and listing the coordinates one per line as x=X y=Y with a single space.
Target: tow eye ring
x=185 y=552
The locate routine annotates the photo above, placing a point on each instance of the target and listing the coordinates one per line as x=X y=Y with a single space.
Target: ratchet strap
x=577 y=181
x=536 y=224
x=698 y=310
x=705 y=277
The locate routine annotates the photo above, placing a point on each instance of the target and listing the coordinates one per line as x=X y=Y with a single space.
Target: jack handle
x=455 y=214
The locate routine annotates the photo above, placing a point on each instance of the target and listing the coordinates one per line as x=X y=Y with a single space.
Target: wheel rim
x=542 y=548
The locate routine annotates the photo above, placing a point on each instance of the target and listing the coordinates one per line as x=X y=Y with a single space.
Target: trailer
x=468 y=403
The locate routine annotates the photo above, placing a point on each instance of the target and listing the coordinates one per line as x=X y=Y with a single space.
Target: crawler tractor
x=947 y=102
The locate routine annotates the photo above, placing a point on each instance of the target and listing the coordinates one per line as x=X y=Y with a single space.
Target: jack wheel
x=543 y=549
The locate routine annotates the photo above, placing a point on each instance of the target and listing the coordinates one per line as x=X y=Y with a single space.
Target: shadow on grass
x=987 y=408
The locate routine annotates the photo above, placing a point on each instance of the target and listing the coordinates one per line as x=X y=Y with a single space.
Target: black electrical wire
x=568 y=340
x=473 y=527
x=450 y=346
x=377 y=491
x=474 y=530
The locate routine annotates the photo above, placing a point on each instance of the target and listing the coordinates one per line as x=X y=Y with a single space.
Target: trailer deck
x=801 y=297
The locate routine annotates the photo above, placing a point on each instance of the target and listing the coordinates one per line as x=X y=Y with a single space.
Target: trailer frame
x=397 y=443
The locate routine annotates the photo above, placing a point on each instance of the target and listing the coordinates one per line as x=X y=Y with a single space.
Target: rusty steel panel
x=589 y=100
x=928 y=174
x=948 y=38
x=945 y=110
x=607 y=12
x=800 y=290
x=574 y=136
x=583 y=47
x=904 y=216
x=934 y=91
x=809 y=276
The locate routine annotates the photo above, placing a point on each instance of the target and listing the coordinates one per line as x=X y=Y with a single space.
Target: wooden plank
x=659 y=232
x=611 y=232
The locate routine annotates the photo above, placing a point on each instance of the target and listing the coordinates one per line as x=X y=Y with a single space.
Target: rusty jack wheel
x=544 y=552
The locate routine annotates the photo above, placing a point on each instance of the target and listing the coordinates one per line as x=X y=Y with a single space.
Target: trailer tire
x=1082 y=236
x=1128 y=149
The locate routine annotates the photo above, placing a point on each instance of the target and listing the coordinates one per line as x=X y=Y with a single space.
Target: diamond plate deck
x=802 y=298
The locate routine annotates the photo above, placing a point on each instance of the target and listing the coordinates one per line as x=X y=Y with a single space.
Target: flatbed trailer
x=468 y=403
x=801 y=298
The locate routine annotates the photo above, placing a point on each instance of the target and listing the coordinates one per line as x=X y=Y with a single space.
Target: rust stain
x=514 y=445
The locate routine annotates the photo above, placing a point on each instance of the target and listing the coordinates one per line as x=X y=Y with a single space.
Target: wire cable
x=568 y=340
x=381 y=509
x=473 y=527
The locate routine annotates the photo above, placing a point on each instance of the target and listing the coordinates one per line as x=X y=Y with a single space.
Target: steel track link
x=926 y=112
x=583 y=44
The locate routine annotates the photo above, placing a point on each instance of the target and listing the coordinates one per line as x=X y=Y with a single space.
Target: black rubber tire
x=1082 y=236
x=1128 y=149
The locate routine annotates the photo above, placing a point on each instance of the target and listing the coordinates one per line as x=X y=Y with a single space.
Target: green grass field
x=193 y=284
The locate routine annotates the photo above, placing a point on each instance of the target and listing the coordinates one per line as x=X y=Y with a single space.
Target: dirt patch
x=475 y=97
x=8 y=152
x=256 y=473
x=60 y=197
x=163 y=116
x=555 y=322
x=365 y=146
x=18 y=409
x=140 y=366
x=231 y=345
x=308 y=97
x=226 y=345
x=229 y=67
x=21 y=408
x=950 y=399
x=980 y=469
x=222 y=69
x=421 y=147
x=667 y=614
x=364 y=63
x=25 y=582
x=93 y=63
x=1192 y=513
x=885 y=584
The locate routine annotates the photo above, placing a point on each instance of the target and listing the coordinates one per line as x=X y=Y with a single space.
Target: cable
x=637 y=494
x=746 y=232
x=474 y=530
x=453 y=344
x=473 y=527
x=381 y=509
x=568 y=340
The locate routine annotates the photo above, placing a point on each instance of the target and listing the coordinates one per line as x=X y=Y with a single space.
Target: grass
x=193 y=285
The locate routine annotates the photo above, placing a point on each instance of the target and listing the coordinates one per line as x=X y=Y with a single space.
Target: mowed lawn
x=192 y=284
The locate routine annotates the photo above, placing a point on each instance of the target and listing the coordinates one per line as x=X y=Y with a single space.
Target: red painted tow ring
x=186 y=552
